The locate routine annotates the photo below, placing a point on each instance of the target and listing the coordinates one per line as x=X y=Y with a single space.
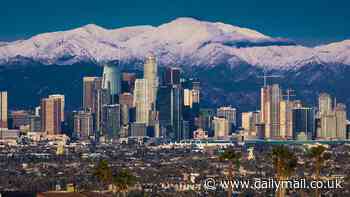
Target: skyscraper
x=150 y=74
x=3 y=110
x=172 y=76
x=229 y=113
x=303 y=122
x=249 y=122
x=83 y=124
x=141 y=101
x=169 y=105
x=340 y=113
x=324 y=104
x=90 y=88
x=60 y=98
x=111 y=81
x=51 y=117
x=111 y=122
x=270 y=110
x=221 y=127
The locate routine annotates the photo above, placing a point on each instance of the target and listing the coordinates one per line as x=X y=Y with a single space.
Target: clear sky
x=306 y=21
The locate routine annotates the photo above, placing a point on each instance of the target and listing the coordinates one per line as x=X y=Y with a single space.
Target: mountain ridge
x=182 y=42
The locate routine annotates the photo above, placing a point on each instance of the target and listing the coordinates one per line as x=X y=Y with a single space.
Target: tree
x=103 y=172
x=233 y=158
x=284 y=162
x=123 y=180
x=319 y=156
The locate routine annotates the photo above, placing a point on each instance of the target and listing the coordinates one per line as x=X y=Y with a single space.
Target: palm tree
x=234 y=159
x=284 y=162
x=319 y=157
x=123 y=180
x=103 y=172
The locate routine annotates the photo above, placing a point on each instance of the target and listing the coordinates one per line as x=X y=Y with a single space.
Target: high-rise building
x=128 y=82
x=102 y=98
x=303 y=122
x=169 y=105
x=229 y=114
x=111 y=81
x=249 y=121
x=138 y=129
x=324 y=104
x=51 y=118
x=286 y=118
x=34 y=123
x=172 y=76
x=111 y=121
x=126 y=98
x=83 y=124
x=19 y=118
x=60 y=98
x=3 y=110
x=188 y=98
x=270 y=110
x=141 y=101
x=90 y=88
x=124 y=114
x=340 y=113
x=332 y=120
x=150 y=74
x=221 y=127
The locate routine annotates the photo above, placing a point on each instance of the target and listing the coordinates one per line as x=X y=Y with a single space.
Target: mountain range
x=227 y=59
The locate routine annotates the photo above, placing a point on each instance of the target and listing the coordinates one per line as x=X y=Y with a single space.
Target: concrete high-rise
x=221 y=127
x=303 y=122
x=90 y=88
x=150 y=73
x=60 y=98
x=141 y=101
x=229 y=113
x=249 y=122
x=3 y=110
x=111 y=81
x=83 y=124
x=111 y=122
x=270 y=110
x=51 y=117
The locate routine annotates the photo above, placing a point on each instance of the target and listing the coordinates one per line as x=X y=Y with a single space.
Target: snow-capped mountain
x=184 y=41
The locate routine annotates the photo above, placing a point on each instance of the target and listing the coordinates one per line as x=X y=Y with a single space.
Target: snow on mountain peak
x=184 y=41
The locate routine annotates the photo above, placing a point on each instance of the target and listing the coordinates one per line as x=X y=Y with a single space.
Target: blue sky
x=306 y=21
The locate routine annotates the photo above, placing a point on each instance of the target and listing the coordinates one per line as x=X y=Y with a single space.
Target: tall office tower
x=126 y=98
x=141 y=101
x=19 y=118
x=324 y=104
x=60 y=98
x=83 y=124
x=221 y=127
x=124 y=114
x=286 y=118
x=340 y=113
x=169 y=105
x=90 y=87
x=128 y=82
x=34 y=123
x=229 y=113
x=3 y=110
x=188 y=98
x=138 y=129
x=249 y=122
x=150 y=73
x=111 y=121
x=102 y=98
x=51 y=117
x=172 y=76
x=111 y=81
x=270 y=110
x=303 y=123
